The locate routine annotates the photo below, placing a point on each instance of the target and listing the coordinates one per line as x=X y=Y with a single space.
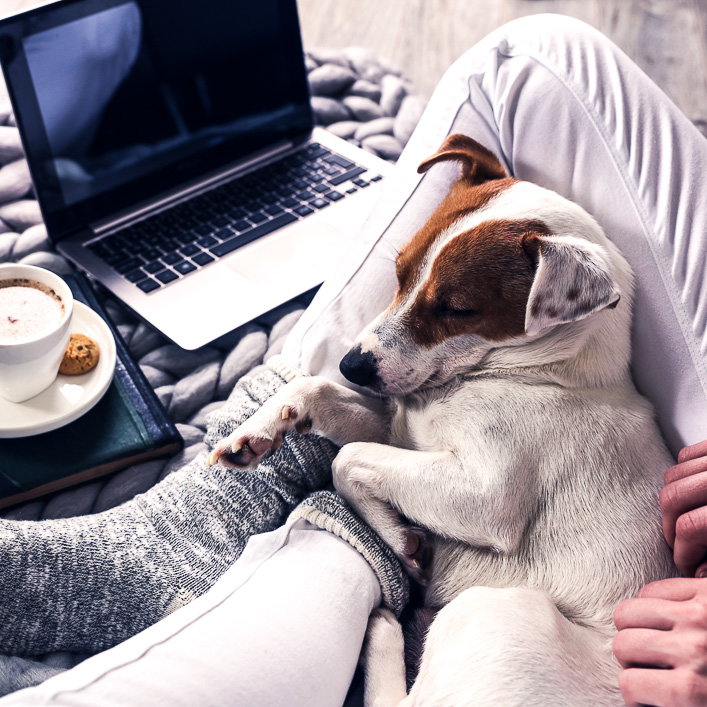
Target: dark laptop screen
x=119 y=101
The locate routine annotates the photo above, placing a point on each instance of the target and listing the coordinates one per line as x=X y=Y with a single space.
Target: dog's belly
x=585 y=591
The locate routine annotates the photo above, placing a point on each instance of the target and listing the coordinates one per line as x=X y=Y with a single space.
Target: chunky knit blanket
x=355 y=95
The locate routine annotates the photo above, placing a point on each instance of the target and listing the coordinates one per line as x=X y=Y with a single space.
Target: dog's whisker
x=388 y=243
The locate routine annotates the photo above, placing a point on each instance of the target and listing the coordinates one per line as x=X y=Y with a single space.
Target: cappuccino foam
x=28 y=309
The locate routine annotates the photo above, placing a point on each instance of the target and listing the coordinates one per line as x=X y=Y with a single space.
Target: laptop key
x=318 y=203
x=202 y=230
x=167 y=246
x=334 y=195
x=166 y=276
x=337 y=159
x=321 y=188
x=221 y=235
x=255 y=233
x=335 y=181
x=289 y=203
x=148 y=285
x=207 y=241
x=242 y=225
x=154 y=267
x=318 y=152
x=126 y=266
x=203 y=259
x=273 y=210
x=188 y=249
x=149 y=253
x=305 y=195
x=184 y=267
x=172 y=258
x=258 y=217
x=100 y=249
x=117 y=258
x=361 y=183
x=135 y=275
x=377 y=178
x=353 y=190
x=184 y=238
x=221 y=221
x=303 y=210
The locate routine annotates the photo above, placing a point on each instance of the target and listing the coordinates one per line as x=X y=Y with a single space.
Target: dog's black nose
x=360 y=368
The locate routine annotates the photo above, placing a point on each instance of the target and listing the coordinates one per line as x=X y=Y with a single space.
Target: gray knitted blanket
x=355 y=95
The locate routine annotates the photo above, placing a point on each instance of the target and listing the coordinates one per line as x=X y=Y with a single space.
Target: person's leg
x=282 y=627
x=561 y=106
x=87 y=583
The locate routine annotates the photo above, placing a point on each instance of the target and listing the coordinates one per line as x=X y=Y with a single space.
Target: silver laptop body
x=147 y=128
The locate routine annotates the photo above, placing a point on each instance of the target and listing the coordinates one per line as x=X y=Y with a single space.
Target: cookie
x=81 y=355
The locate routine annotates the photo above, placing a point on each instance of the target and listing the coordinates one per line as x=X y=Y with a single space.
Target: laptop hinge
x=191 y=189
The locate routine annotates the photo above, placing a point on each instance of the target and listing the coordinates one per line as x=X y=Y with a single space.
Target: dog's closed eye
x=445 y=309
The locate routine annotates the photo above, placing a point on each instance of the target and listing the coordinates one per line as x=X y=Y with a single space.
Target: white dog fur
x=532 y=461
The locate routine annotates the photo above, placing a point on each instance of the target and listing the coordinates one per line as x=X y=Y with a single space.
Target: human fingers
x=685 y=468
x=690 y=541
x=679 y=497
x=662 y=688
x=693 y=451
x=674 y=589
x=658 y=614
x=643 y=647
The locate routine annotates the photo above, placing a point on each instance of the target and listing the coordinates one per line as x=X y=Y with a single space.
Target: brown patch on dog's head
x=479 y=284
x=480 y=281
x=482 y=178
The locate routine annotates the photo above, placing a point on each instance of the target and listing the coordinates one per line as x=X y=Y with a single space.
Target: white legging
x=563 y=107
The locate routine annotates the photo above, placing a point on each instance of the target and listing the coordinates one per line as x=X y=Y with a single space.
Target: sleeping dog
x=507 y=458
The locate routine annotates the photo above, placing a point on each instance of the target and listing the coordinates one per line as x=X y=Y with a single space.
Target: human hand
x=662 y=644
x=683 y=502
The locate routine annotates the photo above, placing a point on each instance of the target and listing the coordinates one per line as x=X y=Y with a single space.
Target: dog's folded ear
x=572 y=280
x=477 y=163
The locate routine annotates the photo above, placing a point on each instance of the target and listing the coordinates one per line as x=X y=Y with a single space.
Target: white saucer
x=68 y=397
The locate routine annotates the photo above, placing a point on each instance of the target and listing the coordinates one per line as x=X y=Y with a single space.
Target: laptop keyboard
x=181 y=240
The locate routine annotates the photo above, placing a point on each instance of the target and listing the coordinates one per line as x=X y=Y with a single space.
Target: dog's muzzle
x=358 y=367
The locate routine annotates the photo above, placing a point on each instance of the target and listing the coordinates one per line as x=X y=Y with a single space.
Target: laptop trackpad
x=295 y=260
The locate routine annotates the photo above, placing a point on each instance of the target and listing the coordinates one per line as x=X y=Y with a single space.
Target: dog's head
x=501 y=264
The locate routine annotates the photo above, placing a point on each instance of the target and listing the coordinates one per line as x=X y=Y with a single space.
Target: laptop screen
x=119 y=101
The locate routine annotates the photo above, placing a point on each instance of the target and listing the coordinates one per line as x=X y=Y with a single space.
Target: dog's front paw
x=262 y=433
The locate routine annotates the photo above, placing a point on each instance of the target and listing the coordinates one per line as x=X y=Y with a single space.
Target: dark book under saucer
x=128 y=425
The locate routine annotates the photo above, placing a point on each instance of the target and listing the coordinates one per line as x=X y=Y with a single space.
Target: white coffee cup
x=30 y=365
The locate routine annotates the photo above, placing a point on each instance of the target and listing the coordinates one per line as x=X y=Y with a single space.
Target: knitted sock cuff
x=284 y=368
x=327 y=510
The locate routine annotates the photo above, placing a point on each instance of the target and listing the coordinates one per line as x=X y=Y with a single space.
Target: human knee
x=546 y=30
x=540 y=36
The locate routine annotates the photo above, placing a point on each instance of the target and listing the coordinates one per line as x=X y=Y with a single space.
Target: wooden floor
x=666 y=38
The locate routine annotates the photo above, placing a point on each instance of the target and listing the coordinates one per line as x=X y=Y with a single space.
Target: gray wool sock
x=329 y=511
x=87 y=583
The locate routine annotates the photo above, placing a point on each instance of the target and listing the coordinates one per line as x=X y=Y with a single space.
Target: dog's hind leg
x=383 y=659
x=512 y=647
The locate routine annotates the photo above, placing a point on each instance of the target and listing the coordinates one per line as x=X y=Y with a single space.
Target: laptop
x=175 y=159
